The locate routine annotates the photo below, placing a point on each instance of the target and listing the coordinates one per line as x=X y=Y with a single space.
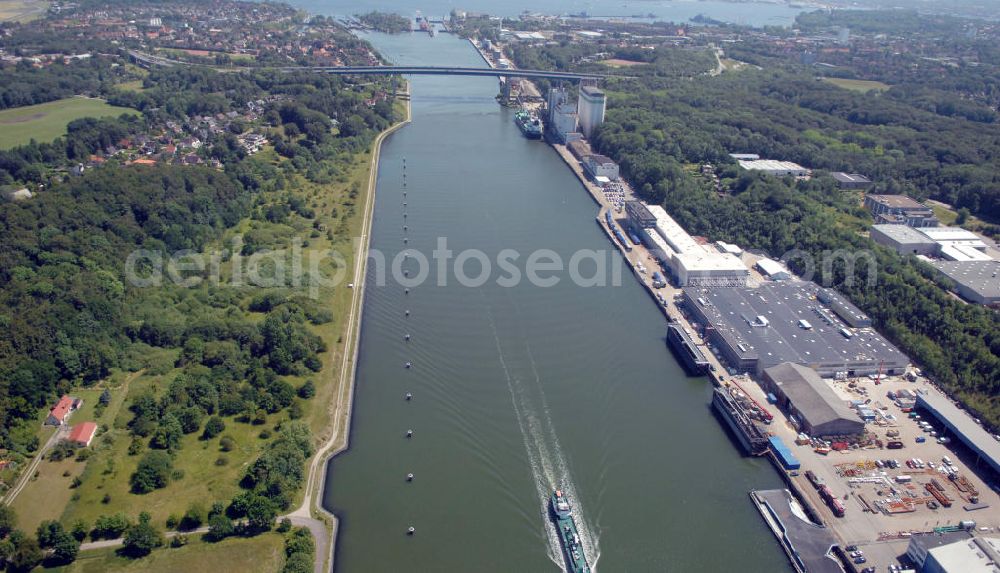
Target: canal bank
x=522 y=389
x=339 y=438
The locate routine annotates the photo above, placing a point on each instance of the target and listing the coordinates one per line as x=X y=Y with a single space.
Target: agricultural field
x=47 y=121
x=858 y=85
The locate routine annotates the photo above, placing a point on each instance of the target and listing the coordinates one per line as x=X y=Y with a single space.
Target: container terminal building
x=753 y=329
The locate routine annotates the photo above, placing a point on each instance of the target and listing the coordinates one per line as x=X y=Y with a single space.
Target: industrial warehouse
x=813 y=403
x=755 y=328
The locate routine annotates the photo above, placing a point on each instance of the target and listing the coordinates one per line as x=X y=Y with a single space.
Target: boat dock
x=808 y=545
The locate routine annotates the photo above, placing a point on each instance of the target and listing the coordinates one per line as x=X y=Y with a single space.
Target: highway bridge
x=147 y=59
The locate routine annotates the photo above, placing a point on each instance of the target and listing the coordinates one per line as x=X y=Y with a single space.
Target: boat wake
x=545 y=456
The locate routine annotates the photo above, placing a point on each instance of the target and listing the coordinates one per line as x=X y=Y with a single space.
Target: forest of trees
x=68 y=313
x=23 y=84
x=388 y=22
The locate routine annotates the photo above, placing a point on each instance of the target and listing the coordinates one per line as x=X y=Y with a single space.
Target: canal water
x=745 y=13
x=518 y=390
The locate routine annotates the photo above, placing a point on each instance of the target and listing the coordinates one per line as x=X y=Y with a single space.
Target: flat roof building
x=580 y=149
x=970 y=555
x=691 y=263
x=756 y=328
x=844 y=308
x=975 y=281
x=962 y=253
x=921 y=544
x=705 y=267
x=600 y=165
x=851 y=180
x=779 y=168
x=953 y=236
x=804 y=394
x=903 y=239
x=961 y=424
x=675 y=235
x=900 y=209
x=773 y=270
x=639 y=216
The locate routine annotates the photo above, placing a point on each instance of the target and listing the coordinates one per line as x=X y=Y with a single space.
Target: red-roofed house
x=83 y=433
x=63 y=408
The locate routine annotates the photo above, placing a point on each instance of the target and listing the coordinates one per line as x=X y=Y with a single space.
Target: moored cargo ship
x=529 y=124
x=562 y=518
x=735 y=411
x=686 y=350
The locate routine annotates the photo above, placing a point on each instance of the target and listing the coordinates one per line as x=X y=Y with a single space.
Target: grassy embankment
x=47 y=121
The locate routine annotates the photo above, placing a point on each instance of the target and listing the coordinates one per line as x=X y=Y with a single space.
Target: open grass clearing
x=47 y=121
x=46 y=496
x=620 y=63
x=22 y=10
x=858 y=85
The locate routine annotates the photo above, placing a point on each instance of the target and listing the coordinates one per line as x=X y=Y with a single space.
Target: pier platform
x=808 y=545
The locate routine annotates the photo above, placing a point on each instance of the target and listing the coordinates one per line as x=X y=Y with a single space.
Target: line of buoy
x=408 y=396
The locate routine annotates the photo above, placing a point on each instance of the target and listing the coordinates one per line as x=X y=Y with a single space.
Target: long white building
x=692 y=263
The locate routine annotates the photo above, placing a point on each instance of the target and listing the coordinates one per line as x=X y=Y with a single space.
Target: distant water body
x=679 y=11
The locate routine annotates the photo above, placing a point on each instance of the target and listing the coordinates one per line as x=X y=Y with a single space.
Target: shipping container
x=784 y=455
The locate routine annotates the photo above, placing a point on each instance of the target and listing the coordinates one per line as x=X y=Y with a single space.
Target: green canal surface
x=521 y=389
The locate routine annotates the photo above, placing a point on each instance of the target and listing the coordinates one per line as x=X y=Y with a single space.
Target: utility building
x=803 y=393
x=590 y=109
